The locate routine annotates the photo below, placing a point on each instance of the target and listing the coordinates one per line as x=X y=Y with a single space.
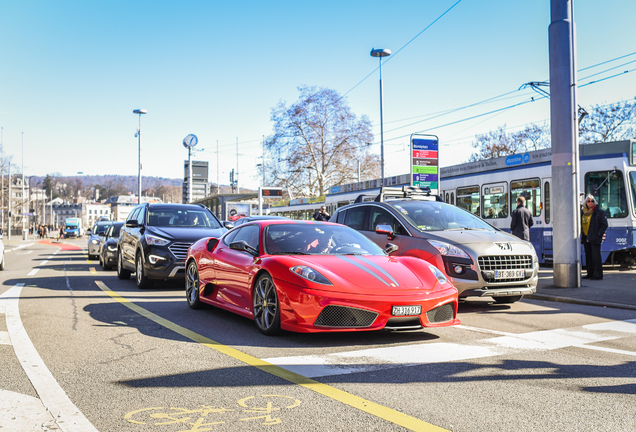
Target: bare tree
x=317 y=143
x=495 y=144
x=611 y=122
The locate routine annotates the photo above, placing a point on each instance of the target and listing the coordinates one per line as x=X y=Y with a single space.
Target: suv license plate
x=406 y=310
x=510 y=274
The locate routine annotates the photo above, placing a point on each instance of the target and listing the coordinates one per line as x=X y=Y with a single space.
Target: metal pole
x=218 y=185
x=9 y=220
x=381 y=123
x=565 y=148
x=189 y=197
x=237 y=171
x=260 y=201
x=23 y=236
x=139 y=167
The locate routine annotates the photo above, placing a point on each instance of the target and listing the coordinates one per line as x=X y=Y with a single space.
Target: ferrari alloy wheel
x=122 y=273
x=192 y=286
x=142 y=281
x=266 y=306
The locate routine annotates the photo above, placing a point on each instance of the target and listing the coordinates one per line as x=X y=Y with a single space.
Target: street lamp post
x=379 y=53
x=138 y=135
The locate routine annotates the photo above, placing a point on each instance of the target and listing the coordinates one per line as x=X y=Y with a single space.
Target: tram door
x=546 y=251
x=494 y=205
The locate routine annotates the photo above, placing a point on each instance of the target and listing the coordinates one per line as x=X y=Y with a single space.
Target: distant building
x=122 y=205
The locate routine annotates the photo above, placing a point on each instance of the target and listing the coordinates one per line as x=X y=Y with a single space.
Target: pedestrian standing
x=593 y=226
x=322 y=215
x=521 y=220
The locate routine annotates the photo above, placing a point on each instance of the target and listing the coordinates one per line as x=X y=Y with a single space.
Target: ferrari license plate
x=406 y=310
x=510 y=274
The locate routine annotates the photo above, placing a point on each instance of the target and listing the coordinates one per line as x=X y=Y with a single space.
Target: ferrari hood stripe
x=363 y=268
x=380 y=269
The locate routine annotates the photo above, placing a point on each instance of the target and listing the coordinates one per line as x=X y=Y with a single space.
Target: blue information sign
x=425 y=162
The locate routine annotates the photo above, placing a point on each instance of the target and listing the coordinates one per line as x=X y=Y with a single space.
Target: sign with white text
x=425 y=162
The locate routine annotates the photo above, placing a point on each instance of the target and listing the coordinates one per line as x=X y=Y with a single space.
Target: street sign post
x=425 y=162
x=267 y=192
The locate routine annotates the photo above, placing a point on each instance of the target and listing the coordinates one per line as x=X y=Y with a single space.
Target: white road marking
x=609 y=350
x=33 y=272
x=67 y=416
x=24 y=413
x=43 y=263
x=4 y=338
x=438 y=352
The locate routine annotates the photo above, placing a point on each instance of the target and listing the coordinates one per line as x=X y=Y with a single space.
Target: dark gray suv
x=154 y=241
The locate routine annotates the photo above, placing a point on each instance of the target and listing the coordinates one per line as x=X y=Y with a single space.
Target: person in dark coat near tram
x=521 y=220
x=322 y=215
x=593 y=226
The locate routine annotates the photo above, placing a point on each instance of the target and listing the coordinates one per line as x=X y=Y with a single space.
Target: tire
x=142 y=281
x=122 y=273
x=104 y=265
x=192 y=286
x=507 y=299
x=265 y=306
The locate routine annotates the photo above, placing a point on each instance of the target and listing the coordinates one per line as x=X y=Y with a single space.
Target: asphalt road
x=124 y=359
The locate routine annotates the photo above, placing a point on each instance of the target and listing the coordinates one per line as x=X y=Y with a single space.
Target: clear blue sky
x=73 y=71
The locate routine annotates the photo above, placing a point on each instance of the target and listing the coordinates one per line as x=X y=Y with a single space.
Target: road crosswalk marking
x=313 y=366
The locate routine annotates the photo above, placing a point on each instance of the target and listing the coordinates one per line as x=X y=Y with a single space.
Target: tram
x=490 y=189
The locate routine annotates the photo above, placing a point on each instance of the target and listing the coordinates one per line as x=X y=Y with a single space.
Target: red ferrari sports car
x=307 y=276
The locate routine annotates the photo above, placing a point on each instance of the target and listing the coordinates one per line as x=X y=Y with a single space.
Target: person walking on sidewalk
x=593 y=226
x=521 y=220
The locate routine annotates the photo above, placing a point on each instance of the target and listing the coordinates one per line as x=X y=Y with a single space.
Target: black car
x=108 y=246
x=155 y=239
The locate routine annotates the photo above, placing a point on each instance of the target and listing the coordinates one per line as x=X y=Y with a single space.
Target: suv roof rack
x=409 y=192
x=361 y=197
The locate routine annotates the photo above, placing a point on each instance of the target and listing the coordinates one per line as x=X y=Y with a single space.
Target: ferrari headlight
x=441 y=278
x=448 y=249
x=156 y=241
x=310 y=274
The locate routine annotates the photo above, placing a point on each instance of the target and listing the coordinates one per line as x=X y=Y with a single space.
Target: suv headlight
x=156 y=241
x=448 y=249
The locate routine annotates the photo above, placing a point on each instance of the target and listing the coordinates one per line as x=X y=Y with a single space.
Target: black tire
x=122 y=273
x=265 y=306
x=192 y=286
x=104 y=265
x=142 y=281
x=507 y=299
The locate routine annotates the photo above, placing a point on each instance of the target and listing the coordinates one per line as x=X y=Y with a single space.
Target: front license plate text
x=406 y=310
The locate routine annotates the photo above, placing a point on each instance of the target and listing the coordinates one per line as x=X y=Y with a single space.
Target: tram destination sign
x=425 y=162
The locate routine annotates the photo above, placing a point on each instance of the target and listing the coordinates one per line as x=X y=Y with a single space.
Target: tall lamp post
x=379 y=53
x=138 y=135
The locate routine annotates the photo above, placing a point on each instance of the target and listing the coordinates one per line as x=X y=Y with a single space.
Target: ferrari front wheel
x=192 y=286
x=266 y=307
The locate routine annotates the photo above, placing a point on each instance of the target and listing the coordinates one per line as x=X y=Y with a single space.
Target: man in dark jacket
x=322 y=215
x=593 y=226
x=521 y=220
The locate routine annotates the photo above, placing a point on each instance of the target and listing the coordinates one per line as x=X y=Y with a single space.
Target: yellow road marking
x=93 y=271
x=357 y=402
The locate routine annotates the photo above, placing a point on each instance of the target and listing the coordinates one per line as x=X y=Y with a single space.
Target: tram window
x=546 y=193
x=529 y=189
x=468 y=199
x=494 y=202
x=452 y=201
x=632 y=178
x=609 y=190
x=446 y=198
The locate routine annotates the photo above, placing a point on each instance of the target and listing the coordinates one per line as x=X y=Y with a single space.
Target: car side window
x=230 y=237
x=133 y=214
x=140 y=216
x=341 y=217
x=380 y=216
x=249 y=234
x=355 y=218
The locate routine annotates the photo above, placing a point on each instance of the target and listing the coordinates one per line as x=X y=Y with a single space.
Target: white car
x=1 y=255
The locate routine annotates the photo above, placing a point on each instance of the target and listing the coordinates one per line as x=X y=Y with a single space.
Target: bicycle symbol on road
x=206 y=417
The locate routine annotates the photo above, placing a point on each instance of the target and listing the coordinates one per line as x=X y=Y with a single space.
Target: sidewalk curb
x=579 y=301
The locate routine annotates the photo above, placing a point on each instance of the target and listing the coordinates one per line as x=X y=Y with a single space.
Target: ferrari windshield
x=438 y=216
x=317 y=239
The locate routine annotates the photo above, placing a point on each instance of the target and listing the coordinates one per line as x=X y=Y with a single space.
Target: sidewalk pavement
x=617 y=290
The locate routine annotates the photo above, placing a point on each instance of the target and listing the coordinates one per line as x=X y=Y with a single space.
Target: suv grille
x=180 y=250
x=342 y=316
x=504 y=262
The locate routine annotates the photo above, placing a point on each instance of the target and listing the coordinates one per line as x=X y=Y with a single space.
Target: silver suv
x=480 y=260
